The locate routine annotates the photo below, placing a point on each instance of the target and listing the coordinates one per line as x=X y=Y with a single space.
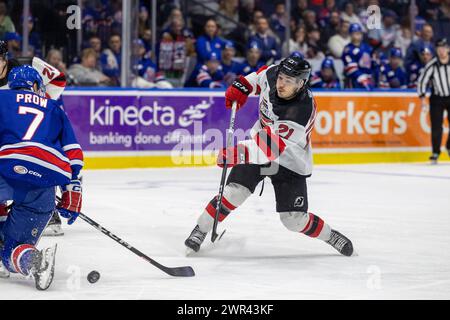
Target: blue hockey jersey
x=246 y=68
x=202 y=77
x=37 y=144
x=357 y=65
x=413 y=74
x=392 y=78
x=316 y=81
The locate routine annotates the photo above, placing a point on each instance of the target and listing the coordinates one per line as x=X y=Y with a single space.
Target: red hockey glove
x=233 y=156
x=238 y=91
x=70 y=205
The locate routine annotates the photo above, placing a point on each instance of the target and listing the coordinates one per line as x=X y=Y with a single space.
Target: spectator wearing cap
x=14 y=41
x=393 y=76
x=85 y=73
x=252 y=62
x=111 y=58
x=208 y=43
x=436 y=75
x=208 y=75
x=326 y=77
x=267 y=43
x=337 y=43
x=426 y=54
x=174 y=50
x=230 y=67
x=426 y=38
x=146 y=71
x=6 y=24
x=357 y=59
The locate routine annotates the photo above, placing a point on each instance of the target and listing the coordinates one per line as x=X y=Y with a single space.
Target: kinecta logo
x=154 y=115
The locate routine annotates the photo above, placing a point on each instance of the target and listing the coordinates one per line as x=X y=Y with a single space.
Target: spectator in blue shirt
x=268 y=44
x=111 y=59
x=208 y=43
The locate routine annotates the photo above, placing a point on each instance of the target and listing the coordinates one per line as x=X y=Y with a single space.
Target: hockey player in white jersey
x=55 y=83
x=280 y=149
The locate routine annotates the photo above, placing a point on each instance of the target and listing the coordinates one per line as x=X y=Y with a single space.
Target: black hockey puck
x=93 y=276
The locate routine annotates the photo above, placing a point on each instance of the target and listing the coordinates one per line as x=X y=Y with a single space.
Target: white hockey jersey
x=283 y=132
x=54 y=80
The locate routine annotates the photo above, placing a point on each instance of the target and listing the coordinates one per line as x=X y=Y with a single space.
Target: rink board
x=124 y=128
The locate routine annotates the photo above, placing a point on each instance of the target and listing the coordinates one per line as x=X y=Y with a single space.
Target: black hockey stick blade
x=175 y=272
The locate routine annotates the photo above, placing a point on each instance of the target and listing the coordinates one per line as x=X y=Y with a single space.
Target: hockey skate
x=434 y=158
x=341 y=243
x=54 y=226
x=43 y=268
x=196 y=238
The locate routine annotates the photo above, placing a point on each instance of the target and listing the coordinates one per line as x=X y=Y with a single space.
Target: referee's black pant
x=437 y=107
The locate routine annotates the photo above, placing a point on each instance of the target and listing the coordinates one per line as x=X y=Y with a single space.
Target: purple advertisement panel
x=152 y=121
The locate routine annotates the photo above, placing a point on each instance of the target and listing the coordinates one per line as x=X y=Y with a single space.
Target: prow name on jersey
x=31 y=98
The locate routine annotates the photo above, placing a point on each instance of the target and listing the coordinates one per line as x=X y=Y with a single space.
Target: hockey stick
x=175 y=272
x=230 y=132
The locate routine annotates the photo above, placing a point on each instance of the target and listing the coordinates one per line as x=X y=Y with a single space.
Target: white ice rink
x=398 y=217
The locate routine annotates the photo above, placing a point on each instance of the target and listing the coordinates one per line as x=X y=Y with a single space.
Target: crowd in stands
x=207 y=43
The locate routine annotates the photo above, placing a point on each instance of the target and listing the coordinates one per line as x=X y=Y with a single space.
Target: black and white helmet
x=295 y=66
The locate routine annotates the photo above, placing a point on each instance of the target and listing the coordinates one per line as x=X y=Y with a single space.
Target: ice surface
x=397 y=215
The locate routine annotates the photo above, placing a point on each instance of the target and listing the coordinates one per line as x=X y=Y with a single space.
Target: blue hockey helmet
x=425 y=48
x=297 y=54
x=24 y=77
x=395 y=53
x=355 y=27
x=327 y=63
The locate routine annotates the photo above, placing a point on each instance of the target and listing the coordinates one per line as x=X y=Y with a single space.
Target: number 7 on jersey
x=39 y=116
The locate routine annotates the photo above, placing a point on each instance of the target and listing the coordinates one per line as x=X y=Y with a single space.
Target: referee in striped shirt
x=436 y=74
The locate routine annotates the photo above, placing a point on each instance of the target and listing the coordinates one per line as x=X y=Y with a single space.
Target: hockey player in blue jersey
x=392 y=75
x=230 y=67
x=357 y=60
x=38 y=151
x=326 y=77
x=425 y=55
x=209 y=75
x=252 y=63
